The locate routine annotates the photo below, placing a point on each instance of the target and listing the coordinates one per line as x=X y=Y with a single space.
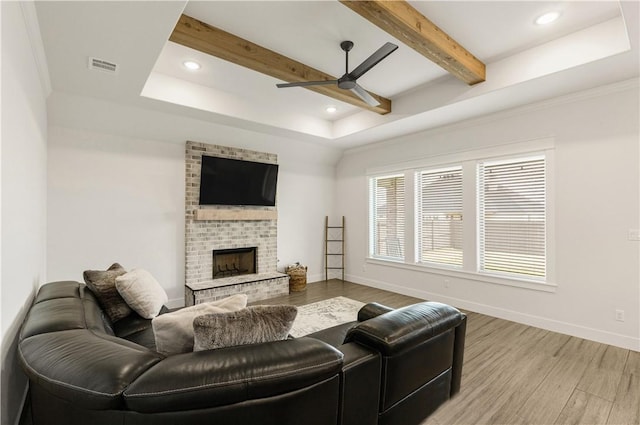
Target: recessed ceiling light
x=547 y=18
x=331 y=109
x=191 y=65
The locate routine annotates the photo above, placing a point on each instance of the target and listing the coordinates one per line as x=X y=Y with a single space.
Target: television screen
x=226 y=181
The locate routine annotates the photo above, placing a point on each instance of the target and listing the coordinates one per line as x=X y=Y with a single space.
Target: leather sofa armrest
x=371 y=310
x=392 y=332
x=230 y=375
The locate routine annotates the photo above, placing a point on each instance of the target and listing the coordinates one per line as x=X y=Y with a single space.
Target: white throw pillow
x=142 y=292
x=174 y=331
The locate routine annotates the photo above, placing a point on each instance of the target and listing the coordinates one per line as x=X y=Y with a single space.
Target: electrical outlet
x=364 y=267
x=634 y=235
x=620 y=315
x=446 y=283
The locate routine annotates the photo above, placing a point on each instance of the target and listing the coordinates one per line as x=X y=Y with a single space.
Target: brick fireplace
x=226 y=228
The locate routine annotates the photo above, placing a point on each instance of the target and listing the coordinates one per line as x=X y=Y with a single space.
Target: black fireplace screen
x=233 y=262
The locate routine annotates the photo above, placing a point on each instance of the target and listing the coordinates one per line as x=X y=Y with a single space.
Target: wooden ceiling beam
x=401 y=20
x=198 y=35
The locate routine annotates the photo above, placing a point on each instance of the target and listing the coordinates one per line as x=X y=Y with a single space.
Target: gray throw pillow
x=252 y=325
x=103 y=284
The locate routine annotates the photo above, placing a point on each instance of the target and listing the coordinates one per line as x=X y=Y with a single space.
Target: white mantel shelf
x=229 y=215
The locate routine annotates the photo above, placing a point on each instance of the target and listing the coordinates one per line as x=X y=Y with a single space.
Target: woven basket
x=297 y=278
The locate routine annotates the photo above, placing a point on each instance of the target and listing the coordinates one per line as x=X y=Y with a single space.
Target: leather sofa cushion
x=144 y=338
x=63 y=314
x=54 y=315
x=82 y=367
x=61 y=289
x=131 y=325
x=230 y=375
x=137 y=329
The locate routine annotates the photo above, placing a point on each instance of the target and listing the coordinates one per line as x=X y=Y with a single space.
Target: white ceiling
x=593 y=43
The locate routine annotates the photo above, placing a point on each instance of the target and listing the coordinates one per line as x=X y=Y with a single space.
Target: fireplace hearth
x=234 y=262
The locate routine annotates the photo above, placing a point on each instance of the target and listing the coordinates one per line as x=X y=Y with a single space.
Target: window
x=512 y=217
x=484 y=215
x=387 y=216
x=439 y=216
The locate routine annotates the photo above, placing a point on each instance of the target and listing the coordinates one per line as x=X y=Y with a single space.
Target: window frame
x=418 y=229
x=469 y=159
x=480 y=215
x=372 y=221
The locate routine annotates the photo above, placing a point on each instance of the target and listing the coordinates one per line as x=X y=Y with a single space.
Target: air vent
x=102 y=65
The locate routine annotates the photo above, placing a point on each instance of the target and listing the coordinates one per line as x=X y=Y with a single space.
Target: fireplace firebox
x=234 y=262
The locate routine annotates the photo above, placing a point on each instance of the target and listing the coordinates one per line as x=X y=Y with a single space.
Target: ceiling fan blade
x=364 y=95
x=372 y=60
x=307 y=83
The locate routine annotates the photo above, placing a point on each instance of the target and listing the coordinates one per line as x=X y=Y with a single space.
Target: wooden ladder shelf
x=333 y=248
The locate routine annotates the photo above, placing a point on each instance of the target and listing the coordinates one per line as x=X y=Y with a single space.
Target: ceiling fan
x=348 y=80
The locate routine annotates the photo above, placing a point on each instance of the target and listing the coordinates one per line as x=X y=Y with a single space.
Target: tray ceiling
x=591 y=44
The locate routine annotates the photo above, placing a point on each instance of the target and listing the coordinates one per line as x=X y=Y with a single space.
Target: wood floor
x=519 y=375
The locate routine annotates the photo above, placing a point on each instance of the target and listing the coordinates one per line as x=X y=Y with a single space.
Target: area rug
x=324 y=314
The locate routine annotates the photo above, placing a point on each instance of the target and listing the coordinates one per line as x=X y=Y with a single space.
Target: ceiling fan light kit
x=348 y=80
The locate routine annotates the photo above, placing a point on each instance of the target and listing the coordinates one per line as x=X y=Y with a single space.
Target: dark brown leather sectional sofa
x=389 y=367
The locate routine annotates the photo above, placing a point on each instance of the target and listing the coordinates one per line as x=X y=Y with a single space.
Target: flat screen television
x=225 y=181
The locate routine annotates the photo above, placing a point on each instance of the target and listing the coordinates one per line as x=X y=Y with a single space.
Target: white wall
x=116 y=189
x=23 y=179
x=305 y=197
x=597 y=183
x=115 y=199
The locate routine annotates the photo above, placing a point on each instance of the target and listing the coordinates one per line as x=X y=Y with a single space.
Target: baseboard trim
x=610 y=338
x=175 y=303
x=315 y=277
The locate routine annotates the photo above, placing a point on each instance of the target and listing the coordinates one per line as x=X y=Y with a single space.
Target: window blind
x=512 y=217
x=439 y=224
x=387 y=216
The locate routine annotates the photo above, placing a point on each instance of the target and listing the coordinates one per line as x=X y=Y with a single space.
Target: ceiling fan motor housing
x=346 y=82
